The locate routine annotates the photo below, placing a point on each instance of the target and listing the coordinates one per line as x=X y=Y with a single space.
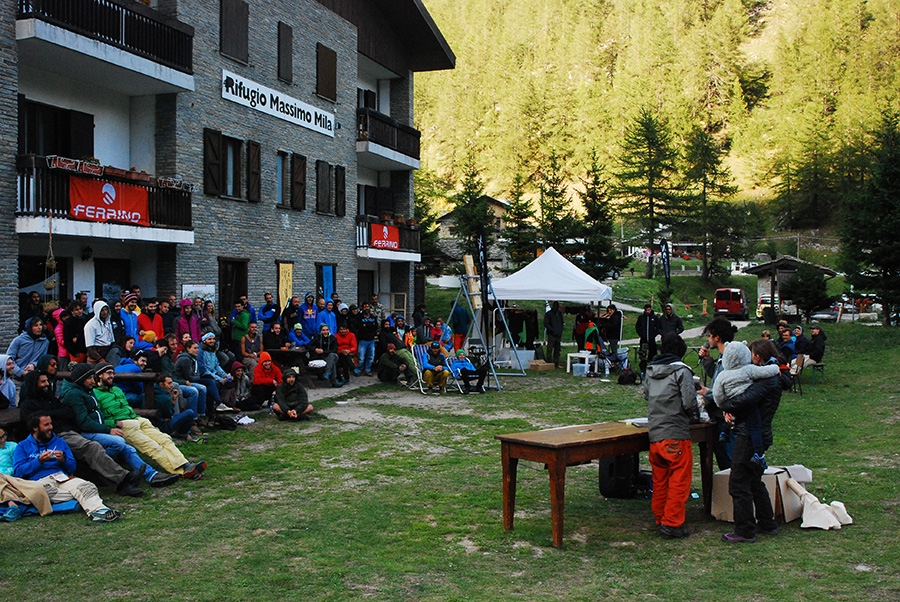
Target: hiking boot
x=134 y=477
x=735 y=538
x=126 y=488
x=162 y=479
x=668 y=532
x=105 y=515
x=760 y=531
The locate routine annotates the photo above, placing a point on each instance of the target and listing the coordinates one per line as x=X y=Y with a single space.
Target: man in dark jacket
x=670 y=322
x=41 y=400
x=291 y=399
x=647 y=328
x=323 y=347
x=553 y=326
x=816 y=348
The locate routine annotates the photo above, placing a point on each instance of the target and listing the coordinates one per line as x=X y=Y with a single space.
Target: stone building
x=228 y=146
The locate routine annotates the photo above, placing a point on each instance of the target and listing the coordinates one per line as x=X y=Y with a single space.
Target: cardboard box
x=541 y=366
x=785 y=502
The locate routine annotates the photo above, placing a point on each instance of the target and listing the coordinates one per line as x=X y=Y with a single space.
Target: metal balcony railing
x=44 y=190
x=381 y=129
x=125 y=24
x=409 y=234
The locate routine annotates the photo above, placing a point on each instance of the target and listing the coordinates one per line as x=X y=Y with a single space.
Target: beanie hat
x=102 y=368
x=80 y=372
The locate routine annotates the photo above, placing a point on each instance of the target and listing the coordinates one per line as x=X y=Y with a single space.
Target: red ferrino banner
x=385 y=237
x=103 y=201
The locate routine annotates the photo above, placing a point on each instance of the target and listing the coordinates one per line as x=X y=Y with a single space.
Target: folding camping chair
x=418 y=381
x=615 y=362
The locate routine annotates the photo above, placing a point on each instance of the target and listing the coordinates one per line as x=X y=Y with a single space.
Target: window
x=224 y=170
x=366 y=99
x=282 y=179
x=326 y=72
x=231 y=164
x=234 y=21
x=48 y=130
x=285 y=52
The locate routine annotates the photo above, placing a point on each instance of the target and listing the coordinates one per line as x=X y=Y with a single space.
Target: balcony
x=384 y=144
x=130 y=205
x=122 y=43
x=386 y=241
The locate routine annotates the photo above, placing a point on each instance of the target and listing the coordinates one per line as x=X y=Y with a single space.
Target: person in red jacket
x=266 y=377
x=346 y=352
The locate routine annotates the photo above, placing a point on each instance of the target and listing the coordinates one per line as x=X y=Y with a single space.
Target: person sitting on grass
x=737 y=375
x=138 y=431
x=395 y=365
x=671 y=408
x=434 y=366
x=291 y=401
x=45 y=458
x=464 y=370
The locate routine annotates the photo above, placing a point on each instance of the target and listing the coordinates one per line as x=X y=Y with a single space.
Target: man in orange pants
x=671 y=407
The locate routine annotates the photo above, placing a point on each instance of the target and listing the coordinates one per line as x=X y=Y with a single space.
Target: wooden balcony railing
x=125 y=24
x=44 y=190
x=409 y=235
x=381 y=129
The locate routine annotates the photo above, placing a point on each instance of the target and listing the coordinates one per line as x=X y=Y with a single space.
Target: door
x=365 y=285
x=111 y=277
x=232 y=283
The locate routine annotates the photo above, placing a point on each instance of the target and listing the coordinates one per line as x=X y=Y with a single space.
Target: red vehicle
x=731 y=303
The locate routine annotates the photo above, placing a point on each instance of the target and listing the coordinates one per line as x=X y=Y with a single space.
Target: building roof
x=786 y=263
x=414 y=25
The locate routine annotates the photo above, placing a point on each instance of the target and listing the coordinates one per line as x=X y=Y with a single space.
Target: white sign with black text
x=250 y=94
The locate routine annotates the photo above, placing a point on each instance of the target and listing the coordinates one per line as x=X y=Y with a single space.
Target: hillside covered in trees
x=789 y=91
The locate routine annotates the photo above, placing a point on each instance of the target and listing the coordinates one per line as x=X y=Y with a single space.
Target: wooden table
x=567 y=446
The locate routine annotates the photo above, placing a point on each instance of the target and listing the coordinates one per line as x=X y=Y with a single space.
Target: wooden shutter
x=254 y=172
x=384 y=200
x=298 y=181
x=326 y=72
x=81 y=128
x=285 y=52
x=212 y=162
x=340 y=190
x=323 y=187
x=234 y=22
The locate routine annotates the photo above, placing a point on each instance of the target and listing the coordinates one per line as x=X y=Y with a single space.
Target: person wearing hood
x=670 y=322
x=188 y=322
x=7 y=386
x=309 y=316
x=671 y=408
x=291 y=313
x=329 y=316
x=266 y=378
x=291 y=401
x=98 y=332
x=49 y=365
x=26 y=349
x=60 y=317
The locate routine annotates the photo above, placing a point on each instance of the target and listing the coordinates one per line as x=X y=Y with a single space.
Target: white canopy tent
x=551 y=277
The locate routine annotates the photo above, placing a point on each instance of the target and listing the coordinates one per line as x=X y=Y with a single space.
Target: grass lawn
x=397 y=497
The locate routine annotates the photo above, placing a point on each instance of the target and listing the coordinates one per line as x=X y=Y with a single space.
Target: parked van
x=731 y=303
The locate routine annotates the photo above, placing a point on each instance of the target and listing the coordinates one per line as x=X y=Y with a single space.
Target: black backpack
x=628 y=377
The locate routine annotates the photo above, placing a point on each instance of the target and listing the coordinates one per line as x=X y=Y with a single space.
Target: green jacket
x=240 y=325
x=88 y=418
x=113 y=405
x=401 y=356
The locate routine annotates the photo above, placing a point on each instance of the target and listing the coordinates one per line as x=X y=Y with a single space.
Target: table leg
x=510 y=465
x=706 y=474
x=568 y=363
x=557 y=470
